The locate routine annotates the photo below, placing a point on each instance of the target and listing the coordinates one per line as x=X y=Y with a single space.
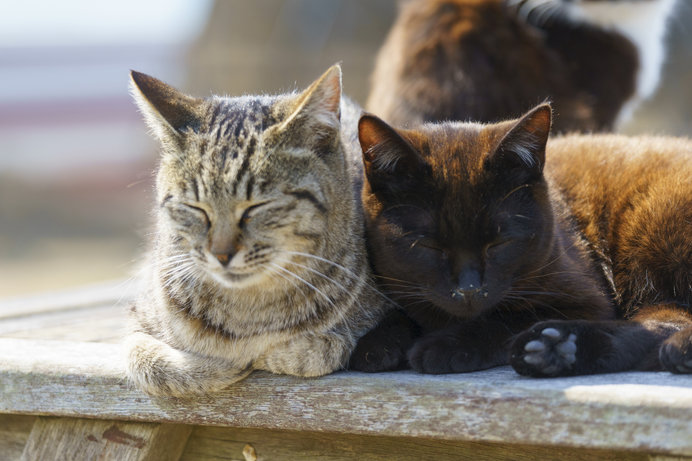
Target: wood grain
x=14 y=432
x=109 y=293
x=81 y=439
x=215 y=443
x=649 y=412
x=96 y=313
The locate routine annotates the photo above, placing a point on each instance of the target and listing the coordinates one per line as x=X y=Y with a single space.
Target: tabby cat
x=491 y=60
x=258 y=258
x=479 y=242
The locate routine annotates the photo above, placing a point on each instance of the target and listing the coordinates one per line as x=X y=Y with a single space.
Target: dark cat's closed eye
x=498 y=245
x=426 y=242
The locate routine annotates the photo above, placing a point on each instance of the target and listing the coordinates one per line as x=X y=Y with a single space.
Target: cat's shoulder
x=615 y=145
x=617 y=161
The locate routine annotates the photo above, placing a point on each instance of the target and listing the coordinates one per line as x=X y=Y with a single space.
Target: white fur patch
x=525 y=152
x=641 y=21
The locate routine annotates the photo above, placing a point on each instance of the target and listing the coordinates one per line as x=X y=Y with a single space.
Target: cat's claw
x=544 y=352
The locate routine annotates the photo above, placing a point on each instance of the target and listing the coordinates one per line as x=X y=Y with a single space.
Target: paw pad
x=551 y=352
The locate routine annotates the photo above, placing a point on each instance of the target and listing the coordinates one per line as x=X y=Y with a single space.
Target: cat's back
x=631 y=198
x=440 y=62
x=610 y=165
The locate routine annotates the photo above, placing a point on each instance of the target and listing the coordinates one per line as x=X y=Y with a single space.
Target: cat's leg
x=384 y=347
x=579 y=347
x=460 y=348
x=308 y=354
x=676 y=352
x=159 y=369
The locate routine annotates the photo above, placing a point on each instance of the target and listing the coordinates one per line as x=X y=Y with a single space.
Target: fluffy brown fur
x=490 y=60
x=480 y=233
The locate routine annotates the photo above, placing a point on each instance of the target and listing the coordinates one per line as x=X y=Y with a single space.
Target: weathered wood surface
x=648 y=412
x=96 y=313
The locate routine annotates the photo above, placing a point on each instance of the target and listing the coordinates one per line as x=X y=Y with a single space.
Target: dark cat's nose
x=469 y=294
x=469 y=286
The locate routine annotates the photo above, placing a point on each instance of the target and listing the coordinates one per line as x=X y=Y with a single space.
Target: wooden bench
x=63 y=396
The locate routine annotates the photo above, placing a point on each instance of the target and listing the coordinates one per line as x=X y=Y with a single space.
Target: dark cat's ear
x=316 y=112
x=167 y=111
x=389 y=160
x=521 y=152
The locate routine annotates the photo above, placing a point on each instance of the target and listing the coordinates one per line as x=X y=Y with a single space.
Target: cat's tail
x=159 y=369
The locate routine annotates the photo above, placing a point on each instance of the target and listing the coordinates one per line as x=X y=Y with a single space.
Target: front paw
x=675 y=353
x=436 y=354
x=547 y=349
x=372 y=355
x=384 y=347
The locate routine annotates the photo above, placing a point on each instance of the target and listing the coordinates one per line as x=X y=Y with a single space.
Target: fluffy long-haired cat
x=491 y=60
x=258 y=257
x=481 y=231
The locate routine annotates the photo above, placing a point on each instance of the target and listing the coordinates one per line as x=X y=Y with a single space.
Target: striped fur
x=258 y=257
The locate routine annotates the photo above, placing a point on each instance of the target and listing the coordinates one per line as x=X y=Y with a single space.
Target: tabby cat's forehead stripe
x=248 y=187
x=240 y=174
x=195 y=188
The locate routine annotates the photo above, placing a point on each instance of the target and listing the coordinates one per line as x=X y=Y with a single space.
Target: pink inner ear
x=368 y=135
x=320 y=105
x=538 y=122
x=331 y=93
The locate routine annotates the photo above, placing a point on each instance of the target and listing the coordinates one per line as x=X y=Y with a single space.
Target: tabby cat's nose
x=224 y=258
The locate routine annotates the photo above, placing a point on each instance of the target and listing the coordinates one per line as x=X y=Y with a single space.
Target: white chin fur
x=641 y=21
x=232 y=282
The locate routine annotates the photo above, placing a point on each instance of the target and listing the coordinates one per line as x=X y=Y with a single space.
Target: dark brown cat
x=478 y=241
x=490 y=60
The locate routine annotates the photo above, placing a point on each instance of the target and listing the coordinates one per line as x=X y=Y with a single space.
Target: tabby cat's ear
x=167 y=111
x=521 y=152
x=316 y=112
x=388 y=158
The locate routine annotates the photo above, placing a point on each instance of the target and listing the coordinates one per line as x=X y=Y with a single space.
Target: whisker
x=326 y=277
x=346 y=270
x=317 y=290
x=298 y=288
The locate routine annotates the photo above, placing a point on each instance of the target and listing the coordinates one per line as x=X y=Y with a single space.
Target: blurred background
x=76 y=161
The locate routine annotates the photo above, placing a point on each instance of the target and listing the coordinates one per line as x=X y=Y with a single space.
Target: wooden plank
x=14 y=432
x=216 y=444
x=650 y=412
x=101 y=323
x=109 y=293
x=82 y=439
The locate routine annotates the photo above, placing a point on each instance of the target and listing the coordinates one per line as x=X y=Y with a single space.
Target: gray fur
x=264 y=184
